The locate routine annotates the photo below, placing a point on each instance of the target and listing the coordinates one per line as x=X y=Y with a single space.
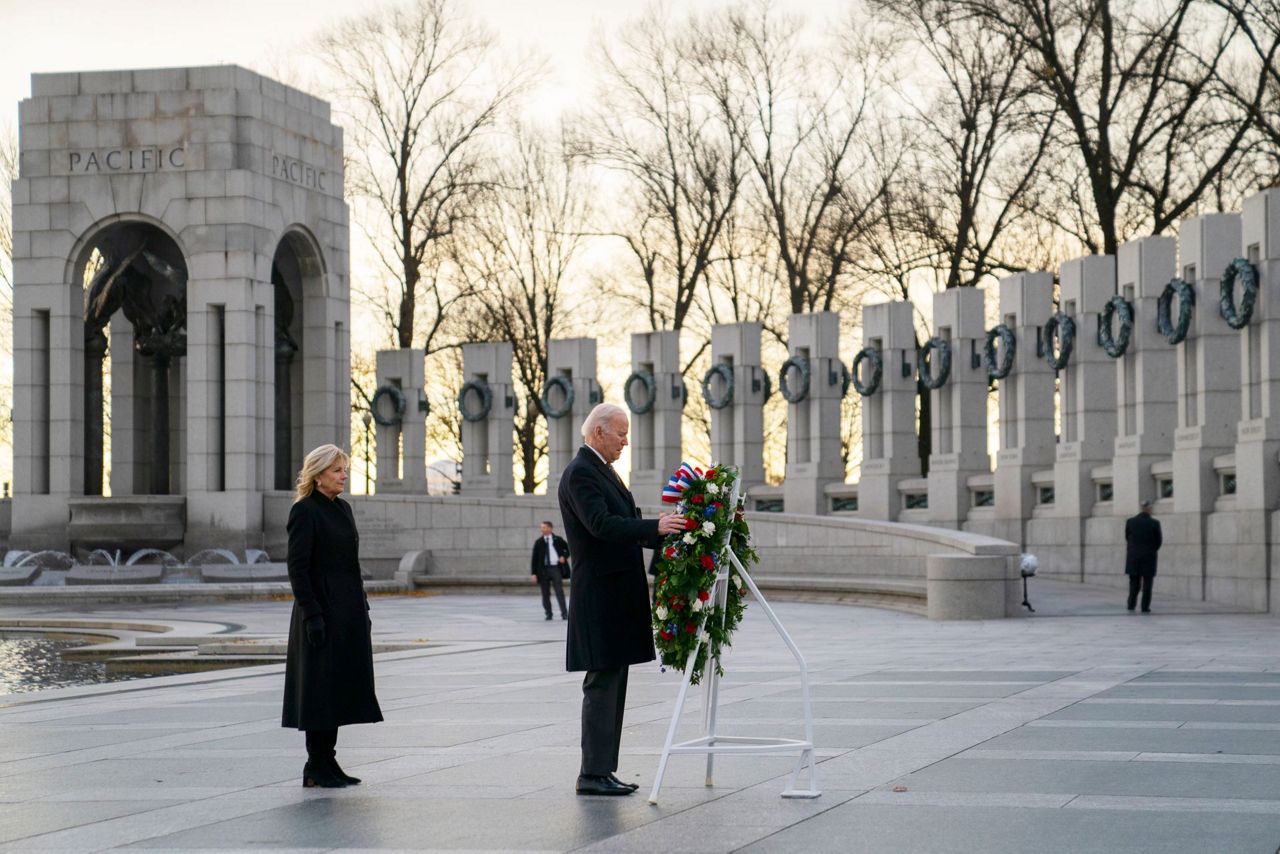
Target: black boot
x=317 y=774
x=337 y=769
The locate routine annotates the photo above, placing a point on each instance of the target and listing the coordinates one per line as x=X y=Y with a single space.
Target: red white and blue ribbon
x=679 y=481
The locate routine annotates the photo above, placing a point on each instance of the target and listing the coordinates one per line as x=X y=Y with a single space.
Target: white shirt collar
x=597 y=453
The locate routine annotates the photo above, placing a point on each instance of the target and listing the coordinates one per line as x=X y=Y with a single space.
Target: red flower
x=708 y=562
x=711 y=473
x=715 y=505
x=666 y=635
x=690 y=524
x=703 y=595
x=676 y=604
x=697 y=499
x=690 y=628
x=670 y=552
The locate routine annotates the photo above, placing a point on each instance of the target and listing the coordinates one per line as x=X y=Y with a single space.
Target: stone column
x=402 y=447
x=127 y=440
x=48 y=364
x=1027 y=437
x=1146 y=382
x=890 y=451
x=737 y=430
x=1258 y=434
x=1208 y=364
x=1087 y=393
x=655 y=435
x=813 y=423
x=226 y=292
x=959 y=407
x=488 y=444
x=575 y=360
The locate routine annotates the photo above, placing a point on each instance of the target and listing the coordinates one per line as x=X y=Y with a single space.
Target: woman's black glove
x=315 y=630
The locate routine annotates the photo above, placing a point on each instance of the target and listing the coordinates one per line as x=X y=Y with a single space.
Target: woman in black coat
x=328 y=676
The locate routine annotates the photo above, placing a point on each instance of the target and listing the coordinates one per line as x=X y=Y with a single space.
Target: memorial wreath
x=685 y=610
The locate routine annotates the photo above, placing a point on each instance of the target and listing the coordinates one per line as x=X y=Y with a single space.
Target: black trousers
x=1145 y=582
x=550 y=577
x=321 y=744
x=604 y=697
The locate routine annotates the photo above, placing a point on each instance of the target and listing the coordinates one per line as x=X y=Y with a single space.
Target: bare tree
x=680 y=168
x=516 y=261
x=418 y=88
x=1254 y=83
x=977 y=139
x=803 y=117
x=1143 y=136
x=8 y=174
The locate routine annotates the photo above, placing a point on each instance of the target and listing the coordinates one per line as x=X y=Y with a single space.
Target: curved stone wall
x=487 y=541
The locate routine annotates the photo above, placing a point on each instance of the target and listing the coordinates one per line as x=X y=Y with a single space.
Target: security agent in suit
x=547 y=567
x=1143 y=539
x=609 y=623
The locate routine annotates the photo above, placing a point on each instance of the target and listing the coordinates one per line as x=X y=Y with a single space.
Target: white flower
x=704 y=637
x=688 y=538
x=712 y=489
x=661 y=612
x=708 y=528
x=696 y=604
x=733 y=579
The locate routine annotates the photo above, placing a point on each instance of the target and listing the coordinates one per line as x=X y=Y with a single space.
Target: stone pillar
x=959 y=407
x=402 y=447
x=890 y=451
x=813 y=423
x=488 y=443
x=655 y=435
x=1208 y=362
x=48 y=361
x=1258 y=434
x=737 y=430
x=226 y=199
x=1087 y=393
x=128 y=441
x=1146 y=382
x=1027 y=437
x=575 y=360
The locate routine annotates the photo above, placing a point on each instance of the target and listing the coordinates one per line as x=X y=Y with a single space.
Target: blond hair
x=316 y=463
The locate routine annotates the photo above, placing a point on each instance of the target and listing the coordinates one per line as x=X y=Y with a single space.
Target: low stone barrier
x=972 y=587
x=465 y=543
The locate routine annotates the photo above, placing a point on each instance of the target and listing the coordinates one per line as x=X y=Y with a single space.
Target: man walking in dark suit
x=609 y=623
x=550 y=558
x=1143 y=539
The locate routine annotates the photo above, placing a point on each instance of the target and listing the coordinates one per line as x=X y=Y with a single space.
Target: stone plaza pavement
x=1102 y=731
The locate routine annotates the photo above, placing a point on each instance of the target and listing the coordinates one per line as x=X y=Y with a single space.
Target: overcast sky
x=64 y=35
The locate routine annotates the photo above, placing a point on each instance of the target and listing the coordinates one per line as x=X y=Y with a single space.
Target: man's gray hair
x=601 y=415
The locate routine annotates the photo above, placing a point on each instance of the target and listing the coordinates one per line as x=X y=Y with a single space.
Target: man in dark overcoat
x=547 y=567
x=1143 y=539
x=609 y=622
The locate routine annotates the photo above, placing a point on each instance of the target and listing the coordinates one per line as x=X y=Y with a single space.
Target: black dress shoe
x=319 y=775
x=592 y=785
x=548 y=616
x=631 y=786
x=562 y=616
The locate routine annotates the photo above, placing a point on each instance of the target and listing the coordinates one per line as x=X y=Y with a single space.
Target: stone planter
x=19 y=576
x=115 y=575
x=232 y=574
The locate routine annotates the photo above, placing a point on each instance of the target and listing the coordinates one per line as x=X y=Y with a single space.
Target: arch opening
x=297 y=275
x=134 y=278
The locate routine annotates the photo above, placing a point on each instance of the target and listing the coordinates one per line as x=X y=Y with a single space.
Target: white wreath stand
x=712 y=743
